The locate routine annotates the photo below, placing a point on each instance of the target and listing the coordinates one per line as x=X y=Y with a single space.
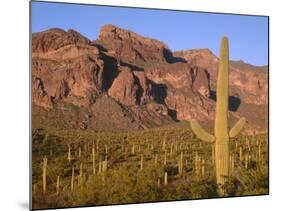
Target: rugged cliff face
x=138 y=78
x=131 y=48
x=248 y=82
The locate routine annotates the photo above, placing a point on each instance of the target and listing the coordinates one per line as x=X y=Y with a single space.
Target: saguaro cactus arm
x=237 y=127
x=201 y=133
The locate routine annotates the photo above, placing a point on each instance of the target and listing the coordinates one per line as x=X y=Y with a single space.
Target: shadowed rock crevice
x=159 y=92
x=234 y=101
x=110 y=71
x=173 y=114
x=139 y=92
x=170 y=58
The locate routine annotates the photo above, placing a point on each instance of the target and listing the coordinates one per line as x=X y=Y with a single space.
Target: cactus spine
x=221 y=136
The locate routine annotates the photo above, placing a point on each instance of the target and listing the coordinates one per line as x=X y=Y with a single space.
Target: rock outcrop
x=151 y=83
x=124 y=88
x=131 y=48
x=54 y=39
x=66 y=67
x=248 y=82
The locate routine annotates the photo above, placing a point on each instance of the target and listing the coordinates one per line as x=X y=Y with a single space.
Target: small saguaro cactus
x=104 y=165
x=165 y=178
x=141 y=162
x=34 y=188
x=165 y=158
x=155 y=160
x=164 y=143
x=203 y=168
x=222 y=135
x=94 y=159
x=72 y=180
x=58 y=184
x=133 y=150
x=180 y=163
x=259 y=151
x=246 y=161
x=79 y=152
x=44 y=175
x=196 y=163
x=100 y=166
x=81 y=170
x=232 y=163
x=240 y=153
x=69 y=153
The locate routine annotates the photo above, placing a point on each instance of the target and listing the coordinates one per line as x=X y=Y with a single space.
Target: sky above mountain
x=180 y=30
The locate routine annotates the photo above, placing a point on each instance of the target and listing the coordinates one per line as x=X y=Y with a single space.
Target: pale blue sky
x=248 y=35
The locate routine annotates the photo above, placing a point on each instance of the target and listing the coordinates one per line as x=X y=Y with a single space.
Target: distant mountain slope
x=125 y=81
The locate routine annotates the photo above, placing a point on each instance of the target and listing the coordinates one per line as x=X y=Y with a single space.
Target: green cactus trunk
x=221 y=136
x=221 y=123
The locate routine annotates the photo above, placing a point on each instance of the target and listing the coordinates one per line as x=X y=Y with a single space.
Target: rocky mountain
x=123 y=80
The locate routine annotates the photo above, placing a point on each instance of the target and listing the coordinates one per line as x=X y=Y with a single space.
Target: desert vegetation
x=78 y=168
x=115 y=127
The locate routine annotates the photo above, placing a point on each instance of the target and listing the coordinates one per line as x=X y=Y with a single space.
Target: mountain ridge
x=142 y=75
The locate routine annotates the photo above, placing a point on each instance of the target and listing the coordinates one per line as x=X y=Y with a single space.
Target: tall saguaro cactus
x=221 y=137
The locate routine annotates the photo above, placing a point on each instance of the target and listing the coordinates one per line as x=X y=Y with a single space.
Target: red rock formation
x=142 y=75
x=182 y=88
x=250 y=83
x=124 y=88
x=130 y=47
x=144 y=88
x=67 y=67
x=54 y=39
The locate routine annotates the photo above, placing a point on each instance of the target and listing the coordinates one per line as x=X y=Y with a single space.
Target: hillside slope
x=125 y=81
